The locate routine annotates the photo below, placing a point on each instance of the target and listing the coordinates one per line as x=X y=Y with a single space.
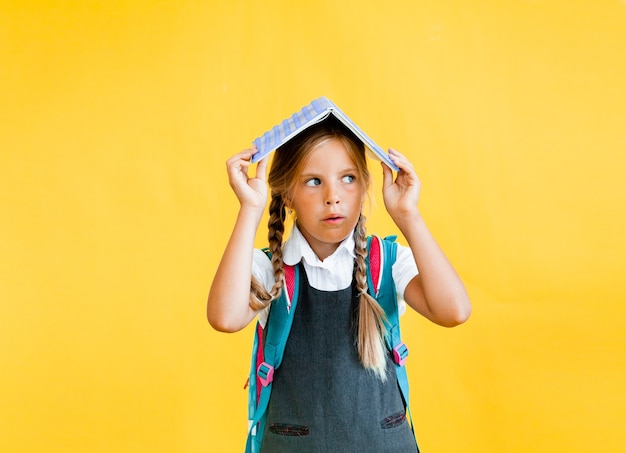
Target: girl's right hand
x=228 y=305
x=251 y=192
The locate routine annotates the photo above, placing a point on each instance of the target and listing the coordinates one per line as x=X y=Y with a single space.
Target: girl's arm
x=436 y=292
x=228 y=308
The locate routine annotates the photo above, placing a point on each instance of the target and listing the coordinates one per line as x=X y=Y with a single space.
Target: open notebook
x=313 y=113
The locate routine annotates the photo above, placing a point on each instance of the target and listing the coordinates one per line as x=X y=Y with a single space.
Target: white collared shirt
x=335 y=272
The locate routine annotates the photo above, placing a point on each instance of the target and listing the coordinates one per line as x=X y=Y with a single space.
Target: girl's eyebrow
x=320 y=173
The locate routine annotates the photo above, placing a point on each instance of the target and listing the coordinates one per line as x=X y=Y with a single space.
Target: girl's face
x=327 y=197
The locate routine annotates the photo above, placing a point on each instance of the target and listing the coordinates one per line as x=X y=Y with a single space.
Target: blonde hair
x=286 y=167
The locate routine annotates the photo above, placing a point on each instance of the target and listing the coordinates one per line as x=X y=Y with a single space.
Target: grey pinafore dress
x=323 y=400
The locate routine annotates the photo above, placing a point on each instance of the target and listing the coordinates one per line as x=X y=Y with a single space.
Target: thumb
x=261 y=168
x=387 y=176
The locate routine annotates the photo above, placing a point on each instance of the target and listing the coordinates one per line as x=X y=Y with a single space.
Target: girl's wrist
x=408 y=220
x=251 y=213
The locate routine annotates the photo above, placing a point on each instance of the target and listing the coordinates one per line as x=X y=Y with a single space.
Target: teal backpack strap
x=267 y=355
x=381 y=256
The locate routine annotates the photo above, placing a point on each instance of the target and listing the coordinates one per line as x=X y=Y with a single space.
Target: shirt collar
x=296 y=248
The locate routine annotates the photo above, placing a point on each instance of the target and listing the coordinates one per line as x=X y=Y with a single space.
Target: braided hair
x=287 y=164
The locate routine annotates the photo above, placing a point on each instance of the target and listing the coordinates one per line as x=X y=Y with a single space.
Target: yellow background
x=116 y=119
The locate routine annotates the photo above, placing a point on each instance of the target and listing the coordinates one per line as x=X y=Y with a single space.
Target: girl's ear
x=288 y=208
x=287 y=202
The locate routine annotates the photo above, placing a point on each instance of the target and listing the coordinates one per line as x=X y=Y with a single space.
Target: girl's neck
x=321 y=249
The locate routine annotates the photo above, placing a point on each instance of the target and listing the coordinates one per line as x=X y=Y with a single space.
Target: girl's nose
x=332 y=196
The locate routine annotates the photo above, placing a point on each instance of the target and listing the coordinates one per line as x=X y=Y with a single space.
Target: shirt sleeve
x=262 y=270
x=403 y=271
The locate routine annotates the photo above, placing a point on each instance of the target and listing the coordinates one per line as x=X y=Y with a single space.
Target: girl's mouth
x=333 y=219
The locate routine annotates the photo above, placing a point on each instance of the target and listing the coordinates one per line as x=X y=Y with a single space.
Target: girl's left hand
x=401 y=195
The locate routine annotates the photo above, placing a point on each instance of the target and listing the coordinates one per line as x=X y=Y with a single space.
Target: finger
x=395 y=152
x=401 y=162
x=387 y=175
x=246 y=154
x=397 y=157
x=261 y=168
x=238 y=169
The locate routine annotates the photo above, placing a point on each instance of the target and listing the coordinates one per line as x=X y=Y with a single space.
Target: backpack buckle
x=265 y=372
x=400 y=353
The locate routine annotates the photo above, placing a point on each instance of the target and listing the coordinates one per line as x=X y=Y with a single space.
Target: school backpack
x=269 y=342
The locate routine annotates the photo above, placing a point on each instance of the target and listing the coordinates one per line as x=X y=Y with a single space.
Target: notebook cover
x=311 y=114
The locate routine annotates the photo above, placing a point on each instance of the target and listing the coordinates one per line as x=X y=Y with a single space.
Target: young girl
x=331 y=393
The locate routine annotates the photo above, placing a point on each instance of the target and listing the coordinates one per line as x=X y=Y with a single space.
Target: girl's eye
x=313 y=182
x=348 y=179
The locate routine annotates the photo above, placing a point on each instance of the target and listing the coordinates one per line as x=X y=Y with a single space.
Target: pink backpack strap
x=375 y=263
x=290 y=282
x=259 y=356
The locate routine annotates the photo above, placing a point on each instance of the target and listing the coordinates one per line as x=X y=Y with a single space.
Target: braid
x=370 y=329
x=276 y=228
x=259 y=296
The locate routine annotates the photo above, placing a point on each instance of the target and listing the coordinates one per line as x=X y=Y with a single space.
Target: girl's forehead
x=324 y=141
x=330 y=152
